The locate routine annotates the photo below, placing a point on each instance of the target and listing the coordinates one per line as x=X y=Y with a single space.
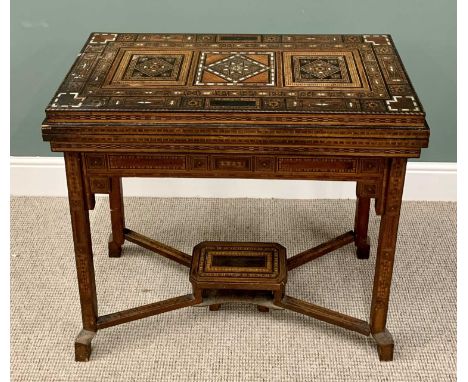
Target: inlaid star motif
x=156 y=66
x=221 y=68
x=320 y=69
x=237 y=68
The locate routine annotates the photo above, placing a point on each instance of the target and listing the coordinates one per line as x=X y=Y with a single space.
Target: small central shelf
x=259 y=298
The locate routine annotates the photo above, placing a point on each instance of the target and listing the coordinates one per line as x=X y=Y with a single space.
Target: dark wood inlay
x=96 y=161
x=239 y=261
x=167 y=162
x=233 y=103
x=238 y=38
x=316 y=164
x=99 y=185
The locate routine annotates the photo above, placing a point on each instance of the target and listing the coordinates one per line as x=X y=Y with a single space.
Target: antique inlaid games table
x=316 y=107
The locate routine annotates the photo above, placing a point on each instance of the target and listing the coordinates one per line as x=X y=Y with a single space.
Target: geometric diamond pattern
x=237 y=68
x=349 y=73
x=319 y=69
x=154 y=67
x=253 y=68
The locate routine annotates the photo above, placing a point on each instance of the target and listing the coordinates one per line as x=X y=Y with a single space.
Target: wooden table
x=318 y=107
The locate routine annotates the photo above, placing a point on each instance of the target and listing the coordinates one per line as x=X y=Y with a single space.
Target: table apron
x=99 y=167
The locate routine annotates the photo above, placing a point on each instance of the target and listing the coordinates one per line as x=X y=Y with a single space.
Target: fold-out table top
x=320 y=80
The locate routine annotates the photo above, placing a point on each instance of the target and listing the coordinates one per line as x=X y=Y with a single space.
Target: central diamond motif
x=319 y=68
x=237 y=68
x=150 y=67
x=156 y=67
x=222 y=68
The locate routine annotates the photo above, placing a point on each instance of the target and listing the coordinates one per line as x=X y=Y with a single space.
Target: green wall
x=46 y=35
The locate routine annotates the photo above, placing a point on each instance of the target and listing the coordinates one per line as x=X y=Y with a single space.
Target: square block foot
x=385 y=345
x=83 y=345
x=115 y=250
x=363 y=250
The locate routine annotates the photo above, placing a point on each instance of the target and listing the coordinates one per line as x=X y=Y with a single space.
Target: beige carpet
x=236 y=343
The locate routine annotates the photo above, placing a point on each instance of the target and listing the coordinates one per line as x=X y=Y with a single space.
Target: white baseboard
x=45 y=176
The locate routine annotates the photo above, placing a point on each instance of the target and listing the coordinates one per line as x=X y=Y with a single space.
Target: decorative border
x=76 y=101
x=397 y=99
x=103 y=38
x=210 y=268
x=377 y=39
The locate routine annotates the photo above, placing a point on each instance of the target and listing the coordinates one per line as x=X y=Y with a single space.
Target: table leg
x=83 y=255
x=361 y=224
x=385 y=258
x=117 y=237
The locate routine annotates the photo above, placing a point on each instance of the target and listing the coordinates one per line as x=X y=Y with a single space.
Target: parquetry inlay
x=236 y=68
x=322 y=69
x=275 y=74
x=154 y=67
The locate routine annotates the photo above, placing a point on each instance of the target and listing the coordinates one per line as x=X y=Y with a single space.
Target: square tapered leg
x=117 y=238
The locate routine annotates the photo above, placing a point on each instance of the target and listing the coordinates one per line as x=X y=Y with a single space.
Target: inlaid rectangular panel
x=231 y=163
x=99 y=184
x=96 y=161
x=148 y=161
x=326 y=70
x=238 y=262
x=321 y=79
x=371 y=165
x=149 y=68
x=308 y=164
